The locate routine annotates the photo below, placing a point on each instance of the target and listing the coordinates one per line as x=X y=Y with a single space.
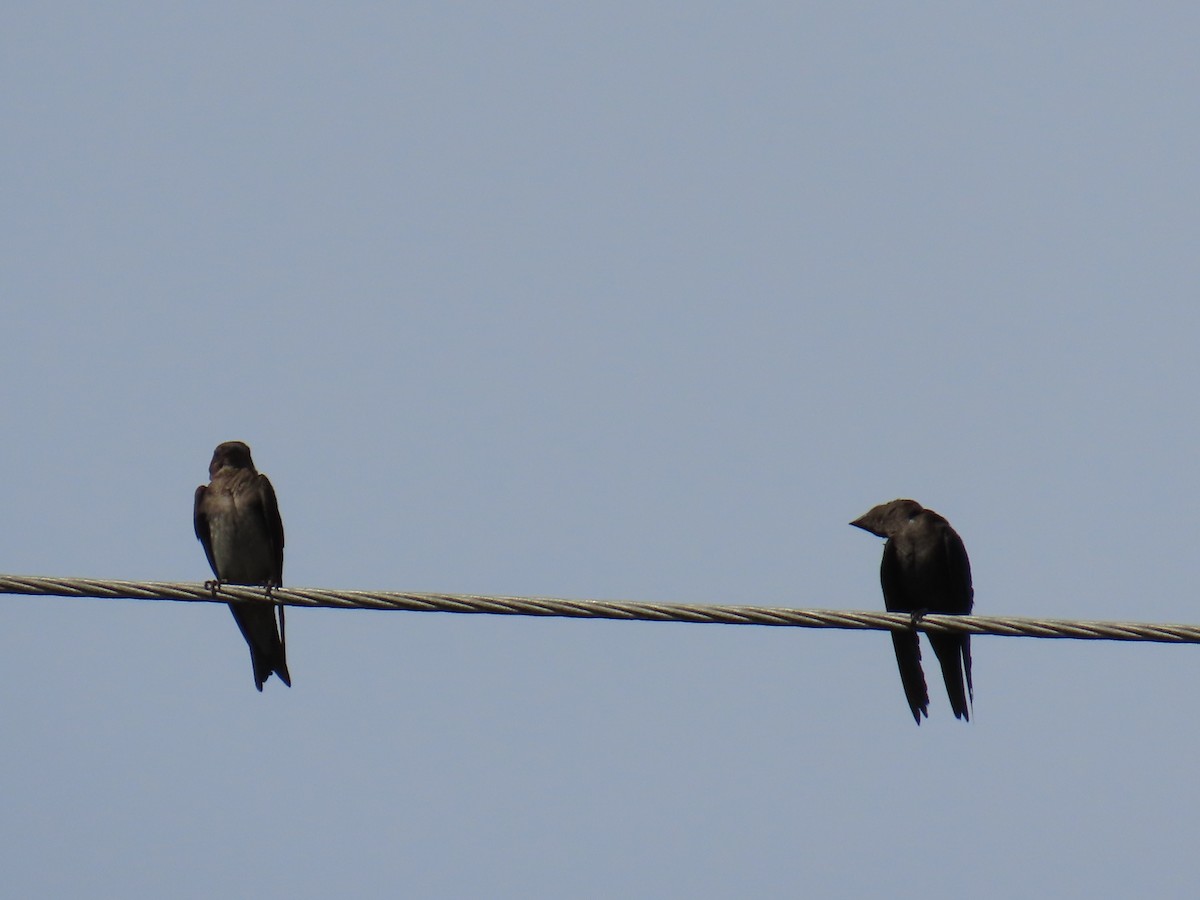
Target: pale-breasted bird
x=237 y=520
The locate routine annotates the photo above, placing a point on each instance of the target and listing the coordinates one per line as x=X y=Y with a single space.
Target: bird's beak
x=860 y=522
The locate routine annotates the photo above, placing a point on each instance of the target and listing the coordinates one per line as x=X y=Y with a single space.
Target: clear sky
x=623 y=300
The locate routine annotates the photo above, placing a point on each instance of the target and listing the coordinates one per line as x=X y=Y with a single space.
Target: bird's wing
x=200 y=522
x=905 y=643
x=958 y=568
x=269 y=508
x=895 y=597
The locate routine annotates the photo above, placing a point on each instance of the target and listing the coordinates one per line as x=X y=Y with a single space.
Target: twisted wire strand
x=604 y=609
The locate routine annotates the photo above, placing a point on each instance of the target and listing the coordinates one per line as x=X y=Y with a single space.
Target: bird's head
x=230 y=455
x=886 y=519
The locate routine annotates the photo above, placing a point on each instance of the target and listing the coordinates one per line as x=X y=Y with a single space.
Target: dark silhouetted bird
x=925 y=570
x=237 y=520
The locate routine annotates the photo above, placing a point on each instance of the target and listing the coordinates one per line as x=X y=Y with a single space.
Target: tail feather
x=908 y=658
x=954 y=653
x=268 y=653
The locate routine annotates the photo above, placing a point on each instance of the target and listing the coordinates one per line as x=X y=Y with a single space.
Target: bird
x=236 y=517
x=925 y=569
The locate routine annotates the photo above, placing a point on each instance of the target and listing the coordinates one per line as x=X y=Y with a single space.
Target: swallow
x=237 y=521
x=925 y=570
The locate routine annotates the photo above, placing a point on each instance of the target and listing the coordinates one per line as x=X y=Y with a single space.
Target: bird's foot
x=917 y=615
x=213 y=585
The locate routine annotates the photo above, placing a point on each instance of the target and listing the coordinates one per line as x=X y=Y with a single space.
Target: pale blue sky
x=640 y=301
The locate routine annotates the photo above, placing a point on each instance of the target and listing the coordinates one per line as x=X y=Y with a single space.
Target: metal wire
x=604 y=609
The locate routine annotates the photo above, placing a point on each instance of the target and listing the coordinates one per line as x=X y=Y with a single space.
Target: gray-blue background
x=623 y=300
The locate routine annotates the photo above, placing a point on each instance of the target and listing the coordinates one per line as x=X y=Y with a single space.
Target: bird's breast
x=241 y=548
